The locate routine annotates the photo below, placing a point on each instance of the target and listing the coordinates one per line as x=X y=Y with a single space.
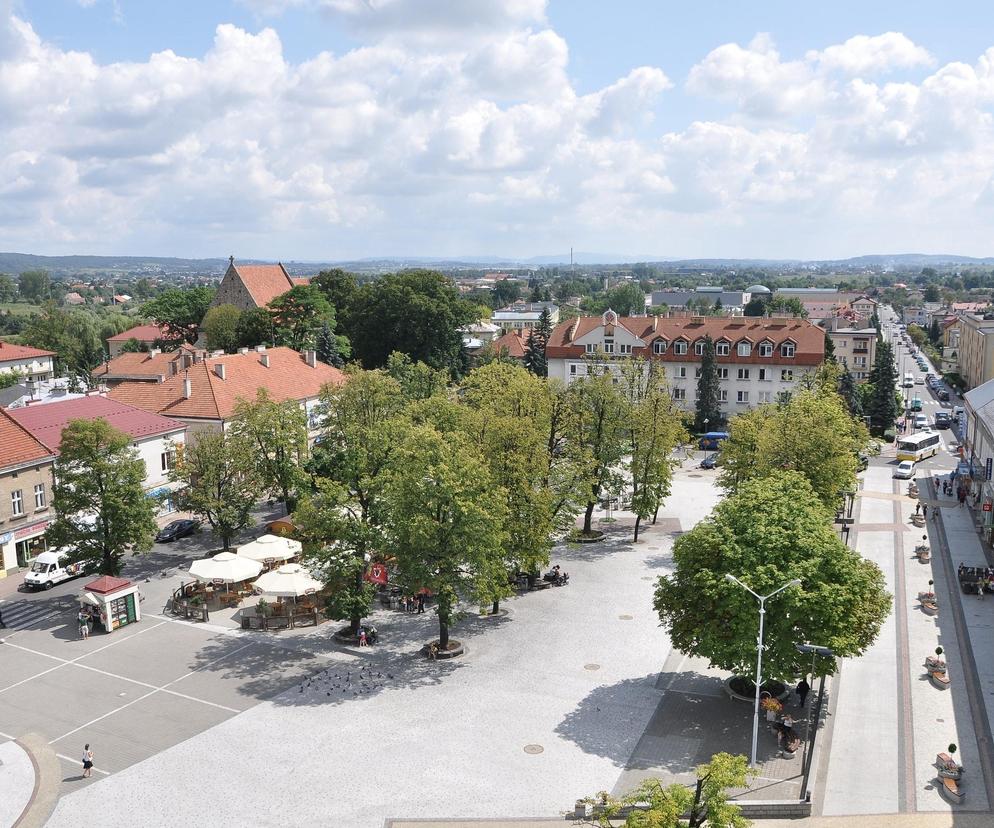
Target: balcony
x=861 y=350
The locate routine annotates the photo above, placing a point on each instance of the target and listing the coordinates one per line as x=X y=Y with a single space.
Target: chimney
x=311 y=358
x=264 y=359
x=172 y=368
x=219 y=369
x=260 y=348
x=162 y=378
x=187 y=388
x=155 y=352
x=199 y=356
x=243 y=351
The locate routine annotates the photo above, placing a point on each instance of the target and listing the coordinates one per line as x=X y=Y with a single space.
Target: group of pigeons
x=359 y=683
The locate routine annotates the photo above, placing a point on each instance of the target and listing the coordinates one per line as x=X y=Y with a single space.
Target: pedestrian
x=925 y=509
x=962 y=497
x=802 y=690
x=84 y=625
x=87 y=761
x=421 y=603
x=362 y=637
x=410 y=603
x=918 y=508
x=981 y=583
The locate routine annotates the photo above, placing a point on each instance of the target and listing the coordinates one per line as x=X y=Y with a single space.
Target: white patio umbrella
x=225 y=566
x=270 y=547
x=287 y=581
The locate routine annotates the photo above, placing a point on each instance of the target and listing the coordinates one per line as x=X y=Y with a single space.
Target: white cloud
x=868 y=55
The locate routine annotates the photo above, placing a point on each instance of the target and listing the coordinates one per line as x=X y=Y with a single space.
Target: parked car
x=943 y=395
x=51 y=568
x=176 y=530
x=905 y=470
x=710 y=462
x=919 y=380
x=942 y=420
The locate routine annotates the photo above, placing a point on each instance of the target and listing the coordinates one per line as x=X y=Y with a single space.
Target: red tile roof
x=106 y=584
x=809 y=339
x=264 y=282
x=17 y=446
x=143 y=333
x=10 y=352
x=46 y=421
x=137 y=364
x=514 y=342
x=288 y=377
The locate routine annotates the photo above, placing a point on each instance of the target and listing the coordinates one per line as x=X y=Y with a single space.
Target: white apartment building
x=757 y=358
x=31 y=364
x=523 y=315
x=856 y=348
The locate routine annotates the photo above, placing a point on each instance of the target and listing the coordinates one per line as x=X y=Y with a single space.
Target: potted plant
x=262 y=609
x=935 y=664
x=772 y=707
x=929 y=595
x=948 y=767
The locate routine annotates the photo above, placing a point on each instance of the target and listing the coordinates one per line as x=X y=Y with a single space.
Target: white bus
x=918 y=446
x=909 y=380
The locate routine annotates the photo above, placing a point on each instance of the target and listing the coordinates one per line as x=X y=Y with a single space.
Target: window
x=764 y=374
x=722 y=373
x=681 y=372
x=786 y=375
x=745 y=349
x=722 y=395
x=787 y=349
x=743 y=373
x=680 y=348
x=679 y=394
x=167 y=459
x=765 y=396
x=16 y=503
x=625 y=349
x=591 y=348
x=697 y=373
x=699 y=347
x=742 y=396
x=860 y=361
x=659 y=346
x=766 y=349
x=721 y=349
x=40 y=496
x=572 y=369
x=608 y=346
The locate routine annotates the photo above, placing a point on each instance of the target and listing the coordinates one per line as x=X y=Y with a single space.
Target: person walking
x=982 y=582
x=918 y=508
x=802 y=690
x=362 y=637
x=925 y=510
x=87 y=761
x=84 y=625
x=421 y=603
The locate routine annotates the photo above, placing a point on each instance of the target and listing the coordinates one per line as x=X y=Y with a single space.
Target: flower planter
x=926 y=596
x=939 y=680
x=930 y=607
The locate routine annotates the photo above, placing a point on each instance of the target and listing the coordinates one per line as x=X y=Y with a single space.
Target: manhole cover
x=626 y=617
x=534 y=748
x=591 y=666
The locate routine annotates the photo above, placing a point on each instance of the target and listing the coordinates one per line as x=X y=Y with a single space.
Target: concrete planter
x=750 y=699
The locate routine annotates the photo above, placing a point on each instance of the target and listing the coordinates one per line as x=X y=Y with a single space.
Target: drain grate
x=533 y=749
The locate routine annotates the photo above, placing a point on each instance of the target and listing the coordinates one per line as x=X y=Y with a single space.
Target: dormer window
x=699 y=347
x=787 y=350
x=680 y=348
x=744 y=349
x=659 y=346
x=722 y=349
x=766 y=349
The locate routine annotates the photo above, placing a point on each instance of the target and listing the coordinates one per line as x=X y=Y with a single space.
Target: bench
x=952 y=790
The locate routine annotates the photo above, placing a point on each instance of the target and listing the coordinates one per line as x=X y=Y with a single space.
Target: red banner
x=377 y=574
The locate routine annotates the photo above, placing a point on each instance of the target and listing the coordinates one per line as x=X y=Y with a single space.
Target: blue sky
x=322 y=129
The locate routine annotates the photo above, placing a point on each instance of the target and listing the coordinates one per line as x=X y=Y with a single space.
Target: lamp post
x=824 y=652
x=759 y=651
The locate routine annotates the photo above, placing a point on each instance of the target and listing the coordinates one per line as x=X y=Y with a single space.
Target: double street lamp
x=759 y=651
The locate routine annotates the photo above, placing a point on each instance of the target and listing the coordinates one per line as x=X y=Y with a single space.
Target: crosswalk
x=23 y=614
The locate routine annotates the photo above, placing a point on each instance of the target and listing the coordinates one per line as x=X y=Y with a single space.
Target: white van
x=49 y=569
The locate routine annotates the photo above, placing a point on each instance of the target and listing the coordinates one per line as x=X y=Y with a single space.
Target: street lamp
x=823 y=652
x=759 y=650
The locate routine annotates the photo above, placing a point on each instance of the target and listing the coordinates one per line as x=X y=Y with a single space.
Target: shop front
x=20 y=547
x=111 y=602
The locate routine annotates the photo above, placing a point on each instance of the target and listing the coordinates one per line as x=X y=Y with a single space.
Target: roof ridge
x=210 y=386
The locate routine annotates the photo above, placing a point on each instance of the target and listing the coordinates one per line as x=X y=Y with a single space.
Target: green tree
x=417 y=313
x=811 y=433
x=600 y=431
x=221 y=328
x=275 y=435
x=101 y=509
x=932 y=293
x=850 y=393
x=72 y=335
x=180 y=311
x=786 y=306
x=338 y=287
x=220 y=482
x=444 y=521
x=627 y=299
x=133 y=346
x=326 y=345
x=655 y=429
x=35 y=286
x=505 y=292
x=756 y=306
x=829 y=348
x=883 y=407
x=535 y=359
x=707 y=805
x=707 y=409
x=341 y=522
x=771 y=531
x=935 y=332
x=255 y=327
x=299 y=314
x=418 y=381
x=8 y=288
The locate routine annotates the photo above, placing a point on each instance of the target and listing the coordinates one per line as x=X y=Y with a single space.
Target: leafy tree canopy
x=180 y=311
x=299 y=314
x=221 y=328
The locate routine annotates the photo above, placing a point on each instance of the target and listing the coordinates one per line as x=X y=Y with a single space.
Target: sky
x=342 y=129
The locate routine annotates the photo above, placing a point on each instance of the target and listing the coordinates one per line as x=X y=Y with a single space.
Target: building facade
x=856 y=348
x=32 y=364
x=975 y=357
x=523 y=315
x=253 y=286
x=148 y=336
x=25 y=495
x=757 y=358
x=732 y=301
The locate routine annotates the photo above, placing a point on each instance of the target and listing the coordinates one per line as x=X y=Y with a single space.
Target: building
x=856 y=348
x=32 y=364
x=818 y=295
x=205 y=392
x=757 y=358
x=922 y=315
x=147 y=336
x=732 y=301
x=978 y=448
x=975 y=357
x=253 y=286
x=512 y=345
x=523 y=315
x=864 y=307
x=25 y=495
x=151 y=366
x=40 y=392
x=477 y=336
x=73 y=298
x=156 y=438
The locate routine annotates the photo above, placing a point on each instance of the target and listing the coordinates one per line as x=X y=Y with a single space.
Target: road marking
x=60 y=755
x=18 y=615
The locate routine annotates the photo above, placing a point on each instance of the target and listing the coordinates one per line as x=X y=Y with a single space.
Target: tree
x=35 y=286
x=418 y=381
x=221 y=328
x=505 y=292
x=8 y=288
x=275 y=435
x=72 y=335
x=535 y=359
x=326 y=345
x=654 y=430
x=299 y=314
x=341 y=522
x=935 y=332
x=444 y=521
x=707 y=409
x=417 y=313
x=707 y=805
x=220 y=482
x=883 y=408
x=627 y=299
x=829 y=348
x=338 y=287
x=932 y=294
x=850 y=393
x=755 y=307
x=771 y=531
x=811 y=433
x=101 y=509
x=180 y=311
x=133 y=346
x=786 y=306
x=600 y=412
x=255 y=327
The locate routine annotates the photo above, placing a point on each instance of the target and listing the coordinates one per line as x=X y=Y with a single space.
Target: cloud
x=862 y=55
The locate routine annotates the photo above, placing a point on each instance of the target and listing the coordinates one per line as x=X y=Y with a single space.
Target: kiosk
x=112 y=602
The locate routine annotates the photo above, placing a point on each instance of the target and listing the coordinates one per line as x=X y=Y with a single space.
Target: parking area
x=137 y=691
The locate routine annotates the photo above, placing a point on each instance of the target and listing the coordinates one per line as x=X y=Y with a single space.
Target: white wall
x=31 y=367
